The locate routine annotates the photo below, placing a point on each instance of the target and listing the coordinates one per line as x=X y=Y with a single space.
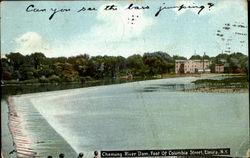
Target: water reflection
x=34 y=88
x=171 y=87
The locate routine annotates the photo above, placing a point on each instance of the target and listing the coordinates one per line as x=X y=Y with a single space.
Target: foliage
x=6 y=75
x=233 y=63
x=39 y=68
x=176 y=57
x=243 y=80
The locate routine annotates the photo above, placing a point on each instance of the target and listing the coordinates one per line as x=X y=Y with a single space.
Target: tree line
x=39 y=68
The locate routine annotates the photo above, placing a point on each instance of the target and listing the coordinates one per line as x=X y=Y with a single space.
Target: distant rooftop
x=192 y=60
x=180 y=60
x=199 y=60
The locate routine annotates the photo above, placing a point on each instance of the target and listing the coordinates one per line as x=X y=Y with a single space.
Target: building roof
x=199 y=60
x=180 y=60
x=191 y=60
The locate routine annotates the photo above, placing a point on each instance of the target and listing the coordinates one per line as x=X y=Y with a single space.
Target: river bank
x=18 y=88
x=219 y=90
x=230 y=84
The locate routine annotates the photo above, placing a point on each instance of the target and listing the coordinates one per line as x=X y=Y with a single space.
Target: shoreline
x=27 y=88
x=218 y=90
x=136 y=78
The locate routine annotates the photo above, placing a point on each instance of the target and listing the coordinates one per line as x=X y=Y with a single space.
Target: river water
x=143 y=115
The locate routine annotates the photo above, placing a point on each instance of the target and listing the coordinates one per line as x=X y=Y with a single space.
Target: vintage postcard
x=166 y=78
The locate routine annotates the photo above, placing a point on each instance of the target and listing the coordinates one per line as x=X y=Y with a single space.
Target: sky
x=124 y=32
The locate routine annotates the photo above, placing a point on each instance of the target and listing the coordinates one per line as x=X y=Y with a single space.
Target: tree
x=65 y=71
x=98 y=62
x=37 y=59
x=135 y=62
x=121 y=63
x=155 y=65
x=162 y=56
x=206 y=57
x=195 y=57
x=109 y=65
x=28 y=72
x=176 y=57
x=136 y=65
x=16 y=60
